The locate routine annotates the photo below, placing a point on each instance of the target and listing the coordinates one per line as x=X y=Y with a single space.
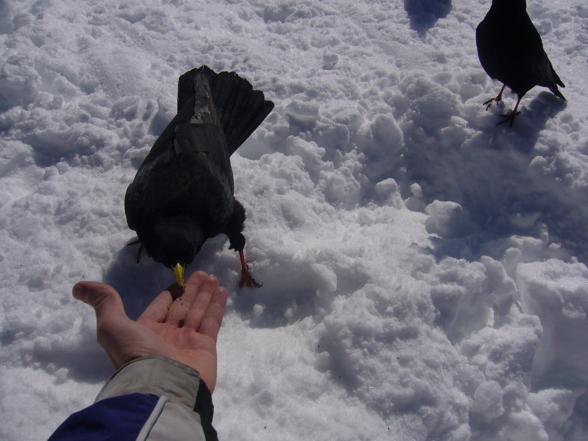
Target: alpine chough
x=183 y=192
x=510 y=50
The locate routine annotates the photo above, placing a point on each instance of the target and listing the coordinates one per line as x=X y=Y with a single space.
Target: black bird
x=511 y=51
x=182 y=193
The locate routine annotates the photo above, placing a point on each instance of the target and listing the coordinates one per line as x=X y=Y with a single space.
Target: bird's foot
x=508 y=117
x=488 y=103
x=248 y=280
x=246 y=277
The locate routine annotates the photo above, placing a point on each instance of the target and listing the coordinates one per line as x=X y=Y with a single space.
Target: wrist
x=154 y=375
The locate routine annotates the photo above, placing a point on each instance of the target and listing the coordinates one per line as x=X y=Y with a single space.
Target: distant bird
x=511 y=51
x=182 y=193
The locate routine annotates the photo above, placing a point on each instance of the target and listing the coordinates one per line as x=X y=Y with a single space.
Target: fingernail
x=80 y=292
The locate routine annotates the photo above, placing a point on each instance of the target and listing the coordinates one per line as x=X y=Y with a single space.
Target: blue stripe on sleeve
x=113 y=419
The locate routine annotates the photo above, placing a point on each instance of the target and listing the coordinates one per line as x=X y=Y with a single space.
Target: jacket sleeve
x=148 y=399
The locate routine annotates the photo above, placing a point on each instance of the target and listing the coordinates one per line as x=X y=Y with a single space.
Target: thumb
x=103 y=298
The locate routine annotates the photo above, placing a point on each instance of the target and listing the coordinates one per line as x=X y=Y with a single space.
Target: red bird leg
x=135 y=242
x=246 y=278
x=512 y=115
x=497 y=98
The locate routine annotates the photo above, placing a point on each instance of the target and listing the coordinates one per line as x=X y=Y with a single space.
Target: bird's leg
x=135 y=242
x=246 y=278
x=497 y=98
x=512 y=115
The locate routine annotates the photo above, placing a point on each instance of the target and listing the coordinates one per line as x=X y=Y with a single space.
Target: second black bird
x=182 y=193
x=510 y=50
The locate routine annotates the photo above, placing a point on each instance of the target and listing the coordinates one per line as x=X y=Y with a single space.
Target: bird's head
x=174 y=242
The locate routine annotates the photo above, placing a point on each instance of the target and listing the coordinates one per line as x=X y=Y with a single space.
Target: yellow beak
x=179 y=270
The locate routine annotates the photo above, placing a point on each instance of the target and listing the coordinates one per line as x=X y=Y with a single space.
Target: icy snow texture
x=424 y=271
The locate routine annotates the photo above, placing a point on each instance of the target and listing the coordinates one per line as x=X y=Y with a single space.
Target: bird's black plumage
x=510 y=50
x=182 y=193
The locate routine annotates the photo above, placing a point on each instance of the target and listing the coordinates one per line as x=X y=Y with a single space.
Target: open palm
x=182 y=326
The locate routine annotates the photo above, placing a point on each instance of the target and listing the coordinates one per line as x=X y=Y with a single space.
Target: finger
x=180 y=306
x=201 y=303
x=157 y=310
x=196 y=278
x=109 y=310
x=103 y=298
x=213 y=318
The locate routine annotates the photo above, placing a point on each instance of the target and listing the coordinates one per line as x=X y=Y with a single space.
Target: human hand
x=183 y=328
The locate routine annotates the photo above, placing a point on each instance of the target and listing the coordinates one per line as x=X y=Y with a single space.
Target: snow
x=424 y=272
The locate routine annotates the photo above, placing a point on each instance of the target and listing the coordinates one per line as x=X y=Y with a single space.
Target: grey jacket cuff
x=154 y=375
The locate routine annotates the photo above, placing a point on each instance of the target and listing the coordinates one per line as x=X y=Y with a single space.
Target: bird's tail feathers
x=557 y=93
x=554 y=89
x=558 y=82
x=239 y=108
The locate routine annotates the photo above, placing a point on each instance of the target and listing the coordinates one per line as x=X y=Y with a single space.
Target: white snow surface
x=424 y=272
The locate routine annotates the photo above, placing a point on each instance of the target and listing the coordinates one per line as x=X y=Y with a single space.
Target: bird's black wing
x=537 y=61
x=188 y=171
x=180 y=186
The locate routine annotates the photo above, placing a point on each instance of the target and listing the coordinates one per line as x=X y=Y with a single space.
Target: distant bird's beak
x=179 y=270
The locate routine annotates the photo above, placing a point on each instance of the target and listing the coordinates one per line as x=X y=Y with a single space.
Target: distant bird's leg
x=496 y=98
x=512 y=115
x=135 y=242
x=246 y=278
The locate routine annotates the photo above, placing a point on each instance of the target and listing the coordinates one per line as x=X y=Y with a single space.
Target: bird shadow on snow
x=423 y=14
x=295 y=289
x=279 y=302
x=497 y=195
x=139 y=283
x=532 y=120
x=283 y=298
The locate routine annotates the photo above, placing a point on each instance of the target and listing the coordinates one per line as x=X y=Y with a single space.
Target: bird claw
x=488 y=103
x=508 y=117
x=248 y=280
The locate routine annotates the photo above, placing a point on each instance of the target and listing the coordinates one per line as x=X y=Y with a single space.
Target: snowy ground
x=424 y=271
